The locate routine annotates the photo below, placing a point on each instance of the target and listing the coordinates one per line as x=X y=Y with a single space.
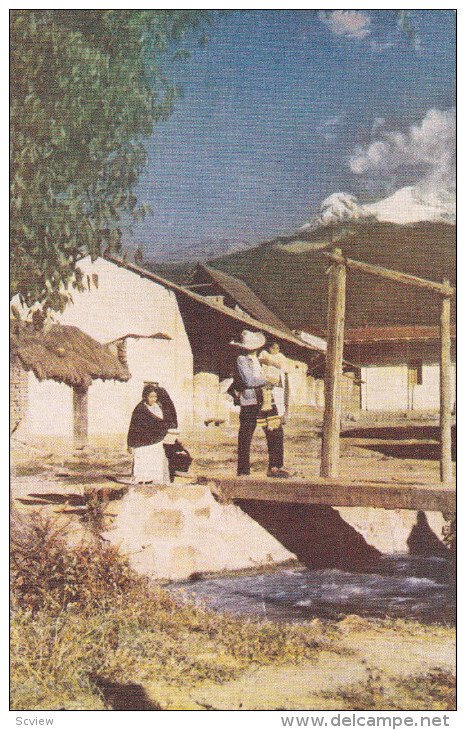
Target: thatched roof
x=65 y=354
x=239 y=292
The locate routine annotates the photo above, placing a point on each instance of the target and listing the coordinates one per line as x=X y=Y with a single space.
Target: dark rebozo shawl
x=145 y=428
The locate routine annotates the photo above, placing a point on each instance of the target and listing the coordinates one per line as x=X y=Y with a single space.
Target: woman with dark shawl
x=151 y=421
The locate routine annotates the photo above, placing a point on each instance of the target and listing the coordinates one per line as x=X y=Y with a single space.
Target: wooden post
x=445 y=390
x=80 y=421
x=333 y=368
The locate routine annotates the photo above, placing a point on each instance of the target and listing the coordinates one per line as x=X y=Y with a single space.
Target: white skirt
x=150 y=464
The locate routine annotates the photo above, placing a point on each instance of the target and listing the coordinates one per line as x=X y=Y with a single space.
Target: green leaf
x=84 y=87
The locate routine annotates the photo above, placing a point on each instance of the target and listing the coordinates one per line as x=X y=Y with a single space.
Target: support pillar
x=333 y=368
x=80 y=417
x=446 y=472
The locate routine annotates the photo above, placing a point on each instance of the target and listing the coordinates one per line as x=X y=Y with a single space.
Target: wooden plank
x=333 y=369
x=337 y=493
x=399 y=276
x=368 y=442
x=446 y=473
x=197 y=286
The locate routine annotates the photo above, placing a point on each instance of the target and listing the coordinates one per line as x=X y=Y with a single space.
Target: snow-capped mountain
x=339 y=207
x=410 y=204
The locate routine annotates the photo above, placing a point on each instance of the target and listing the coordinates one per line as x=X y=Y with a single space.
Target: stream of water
x=405 y=586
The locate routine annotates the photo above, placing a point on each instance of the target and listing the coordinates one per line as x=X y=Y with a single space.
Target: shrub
x=434 y=690
x=81 y=612
x=47 y=573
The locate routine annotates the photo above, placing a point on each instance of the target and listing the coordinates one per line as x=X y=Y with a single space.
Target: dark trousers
x=247 y=425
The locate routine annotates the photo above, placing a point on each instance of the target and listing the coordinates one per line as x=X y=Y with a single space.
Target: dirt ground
x=404 y=451
x=374 y=659
x=49 y=474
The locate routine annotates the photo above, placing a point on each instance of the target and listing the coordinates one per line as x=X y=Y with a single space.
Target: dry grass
x=79 y=612
x=433 y=690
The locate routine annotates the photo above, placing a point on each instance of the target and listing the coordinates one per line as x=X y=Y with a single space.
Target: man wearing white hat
x=257 y=407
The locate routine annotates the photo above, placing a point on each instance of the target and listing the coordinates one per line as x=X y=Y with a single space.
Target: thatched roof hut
x=65 y=354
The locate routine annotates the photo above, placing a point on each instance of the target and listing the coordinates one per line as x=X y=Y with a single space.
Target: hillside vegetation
x=288 y=274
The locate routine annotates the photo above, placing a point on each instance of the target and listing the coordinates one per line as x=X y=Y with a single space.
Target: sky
x=282 y=109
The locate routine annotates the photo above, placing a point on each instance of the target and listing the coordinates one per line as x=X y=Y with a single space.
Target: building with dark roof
x=161 y=332
x=399 y=366
x=233 y=293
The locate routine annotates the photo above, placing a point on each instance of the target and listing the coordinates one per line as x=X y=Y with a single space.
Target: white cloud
x=354 y=24
x=328 y=128
x=428 y=148
x=377 y=123
x=430 y=144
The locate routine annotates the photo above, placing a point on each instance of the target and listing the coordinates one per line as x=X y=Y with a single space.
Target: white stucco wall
x=297 y=378
x=49 y=408
x=123 y=303
x=385 y=388
x=427 y=395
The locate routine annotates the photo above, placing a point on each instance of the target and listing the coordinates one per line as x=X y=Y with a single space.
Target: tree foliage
x=86 y=89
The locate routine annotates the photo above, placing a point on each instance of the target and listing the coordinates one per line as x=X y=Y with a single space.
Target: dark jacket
x=146 y=428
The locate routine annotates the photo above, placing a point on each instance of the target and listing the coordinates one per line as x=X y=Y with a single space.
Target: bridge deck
x=336 y=492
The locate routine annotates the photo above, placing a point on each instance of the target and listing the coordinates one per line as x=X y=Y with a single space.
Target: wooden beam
x=333 y=367
x=197 y=286
x=336 y=492
x=445 y=390
x=80 y=417
x=399 y=276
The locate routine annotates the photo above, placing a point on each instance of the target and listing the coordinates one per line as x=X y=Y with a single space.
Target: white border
x=202 y=720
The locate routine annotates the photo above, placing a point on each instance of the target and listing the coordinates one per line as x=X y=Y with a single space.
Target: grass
x=80 y=614
x=433 y=690
x=86 y=632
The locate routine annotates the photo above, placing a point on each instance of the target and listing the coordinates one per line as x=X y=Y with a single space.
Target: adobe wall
x=385 y=388
x=210 y=401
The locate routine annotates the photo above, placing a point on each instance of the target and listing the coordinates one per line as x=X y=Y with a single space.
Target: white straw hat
x=250 y=340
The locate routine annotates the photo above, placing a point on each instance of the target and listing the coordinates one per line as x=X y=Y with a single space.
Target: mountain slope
x=288 y=273
x=408 y=206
